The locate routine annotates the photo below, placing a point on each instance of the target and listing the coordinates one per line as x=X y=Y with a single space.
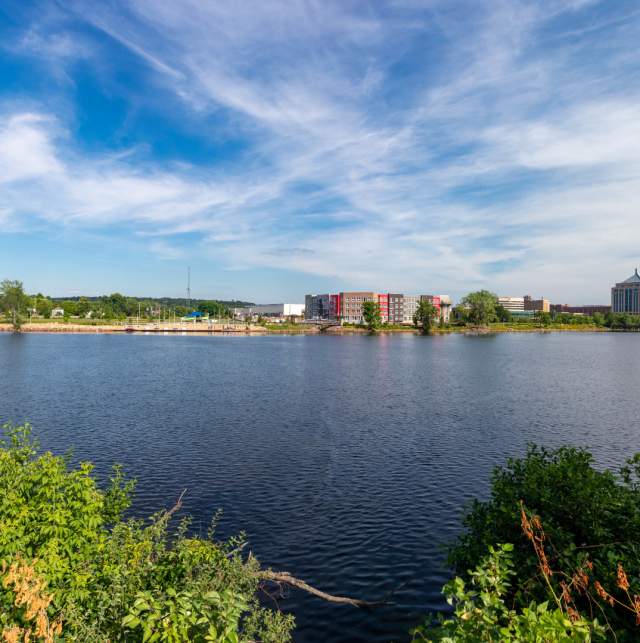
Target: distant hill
x=166 y=301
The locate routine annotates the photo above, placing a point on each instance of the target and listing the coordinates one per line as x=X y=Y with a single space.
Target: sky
x=286 y=147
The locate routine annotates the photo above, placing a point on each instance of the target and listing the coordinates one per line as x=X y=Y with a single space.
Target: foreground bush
x=73 y=567
x=575 y=532
x=480 y=611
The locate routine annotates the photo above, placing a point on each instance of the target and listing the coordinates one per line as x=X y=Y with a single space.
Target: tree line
x=17 y=306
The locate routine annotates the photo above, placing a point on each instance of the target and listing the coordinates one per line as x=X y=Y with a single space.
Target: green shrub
x=114 y=579
x=591 y=522
x=480 y=612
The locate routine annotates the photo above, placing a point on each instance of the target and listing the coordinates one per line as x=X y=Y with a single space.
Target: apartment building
x=383 y=304
x=410 y=305
x=396 y=308
x=351 y=305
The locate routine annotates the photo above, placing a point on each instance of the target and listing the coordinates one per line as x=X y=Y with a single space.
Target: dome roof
x=634 y=279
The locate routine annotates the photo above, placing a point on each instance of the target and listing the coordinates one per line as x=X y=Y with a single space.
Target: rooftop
x=634 y=279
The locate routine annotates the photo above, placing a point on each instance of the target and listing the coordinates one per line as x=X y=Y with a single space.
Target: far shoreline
x=221 y=329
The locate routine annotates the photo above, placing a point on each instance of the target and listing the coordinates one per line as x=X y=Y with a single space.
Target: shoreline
x=226 y=329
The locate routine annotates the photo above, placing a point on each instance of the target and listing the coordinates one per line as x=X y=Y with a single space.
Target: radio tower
x=189 y=289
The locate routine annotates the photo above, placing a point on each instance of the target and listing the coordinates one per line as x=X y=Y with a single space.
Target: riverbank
x=288 y=329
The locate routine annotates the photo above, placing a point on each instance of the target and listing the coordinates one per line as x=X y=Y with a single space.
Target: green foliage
x=13 y=302
x=425 y=315
x=481 y=307
x=622 y=321
x=480 y=611
x=503 y=315
x=591 y=518
x=214 y=309
x=371 y=314
x=116 y=579
x=543 y=318
x=43 y=305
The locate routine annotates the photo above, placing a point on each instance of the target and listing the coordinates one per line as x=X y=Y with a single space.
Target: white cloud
x=502 y=151
x=25 y=149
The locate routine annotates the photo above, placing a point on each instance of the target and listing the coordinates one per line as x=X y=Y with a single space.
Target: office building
x=511 y=303
x=625 y=295
x=537 y=305
x=274 y=310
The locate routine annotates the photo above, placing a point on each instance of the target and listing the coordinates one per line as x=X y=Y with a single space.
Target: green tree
x=425 y=315
x=110 y=578
x=481 y=307
x=13 y=302
x=44 y=306
x=116 y=306
x=543 y=318
x=70 y=308
x=83 y=306
x=503 y=315
x=371 y=314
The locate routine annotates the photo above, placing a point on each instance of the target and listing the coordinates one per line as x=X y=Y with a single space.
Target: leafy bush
x=106 y=578
x=591 y=534
x=480 y=612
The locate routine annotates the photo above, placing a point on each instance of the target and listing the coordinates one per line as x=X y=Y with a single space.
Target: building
x=396 y=308
x=383 y=304
x=625 y=296
x=334 y=307
x=511 y=303
x=538 y=305
x=445 y=308
x=580 y=310
x=57 y=312
x=273 y=310
x=409 y=307
x=351 y=305
x=317 y=307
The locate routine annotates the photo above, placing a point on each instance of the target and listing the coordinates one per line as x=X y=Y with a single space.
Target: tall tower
x=189 y=289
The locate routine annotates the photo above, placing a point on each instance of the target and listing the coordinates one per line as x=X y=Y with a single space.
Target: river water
x=346 y=459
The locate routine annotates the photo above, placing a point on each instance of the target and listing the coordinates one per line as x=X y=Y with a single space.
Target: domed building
x=625 y=296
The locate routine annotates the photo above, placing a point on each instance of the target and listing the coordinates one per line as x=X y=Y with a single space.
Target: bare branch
x=175 y=507
x=284 y=578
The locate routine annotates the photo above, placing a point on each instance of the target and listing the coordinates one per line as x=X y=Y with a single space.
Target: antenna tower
x=189 y=289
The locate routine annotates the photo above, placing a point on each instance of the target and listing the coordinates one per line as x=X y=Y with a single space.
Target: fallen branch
x=166 y=516
x=284 y=578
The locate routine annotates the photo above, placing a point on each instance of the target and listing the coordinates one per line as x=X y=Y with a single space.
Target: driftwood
x=284 y=578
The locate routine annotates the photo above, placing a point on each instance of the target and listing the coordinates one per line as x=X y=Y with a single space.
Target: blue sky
x=287 y=147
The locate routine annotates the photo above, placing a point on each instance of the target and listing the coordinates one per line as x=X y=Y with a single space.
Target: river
x=346 y=459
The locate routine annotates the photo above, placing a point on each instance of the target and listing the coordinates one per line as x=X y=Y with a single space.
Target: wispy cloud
x=434 y=144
